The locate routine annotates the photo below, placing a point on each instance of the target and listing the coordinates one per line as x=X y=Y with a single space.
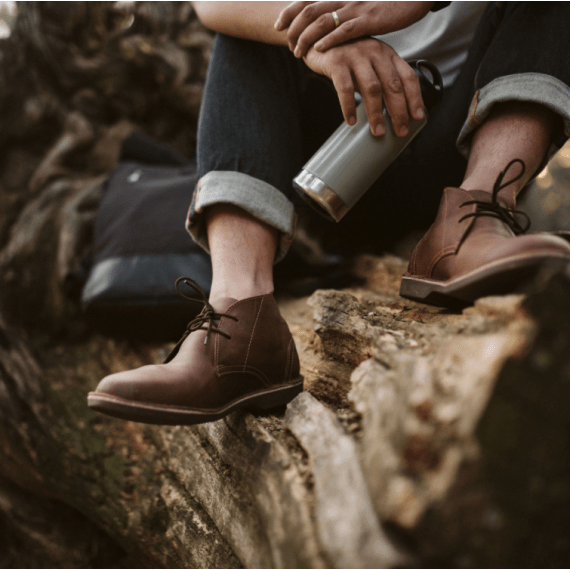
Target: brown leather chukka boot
x=475 y=248
x=234 y=354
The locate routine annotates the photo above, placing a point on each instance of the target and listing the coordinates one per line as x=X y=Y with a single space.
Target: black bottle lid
x=431 y=82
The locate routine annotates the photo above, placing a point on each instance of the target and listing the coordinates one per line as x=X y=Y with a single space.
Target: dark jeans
x=265 y=113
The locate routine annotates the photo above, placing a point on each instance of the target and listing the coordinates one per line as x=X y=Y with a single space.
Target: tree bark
x=414 y=456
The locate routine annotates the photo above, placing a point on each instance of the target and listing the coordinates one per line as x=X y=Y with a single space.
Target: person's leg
x=524 y=61
x=514 y=129
x=521 y=102
x=254 y=134
x=243 y=252
x=239 y=352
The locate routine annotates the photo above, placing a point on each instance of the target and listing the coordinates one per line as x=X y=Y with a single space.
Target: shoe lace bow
x=494 y=209
x=206 y=320
x=207 y=316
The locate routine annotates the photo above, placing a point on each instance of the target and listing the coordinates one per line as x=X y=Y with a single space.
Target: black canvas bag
x=140 y=245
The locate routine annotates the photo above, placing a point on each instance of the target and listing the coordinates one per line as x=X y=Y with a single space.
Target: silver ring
x=336 y=19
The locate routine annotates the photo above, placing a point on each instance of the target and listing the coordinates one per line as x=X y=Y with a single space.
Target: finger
x=412 y=89
x=306 y=17
x=394 y=96
x=344 y=85
x=314 y=32
x=370 y=89
x=349 y=29
x=287 y=15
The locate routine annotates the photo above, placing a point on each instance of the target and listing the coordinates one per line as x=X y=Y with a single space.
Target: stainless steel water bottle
x=352 y=159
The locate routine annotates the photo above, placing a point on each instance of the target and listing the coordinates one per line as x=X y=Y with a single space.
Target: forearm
x=247 y=20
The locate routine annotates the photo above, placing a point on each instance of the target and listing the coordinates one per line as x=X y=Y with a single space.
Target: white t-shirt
x=441 y=37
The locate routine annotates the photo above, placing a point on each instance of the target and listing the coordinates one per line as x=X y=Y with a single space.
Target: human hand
x=312 y=23
x=378 y=73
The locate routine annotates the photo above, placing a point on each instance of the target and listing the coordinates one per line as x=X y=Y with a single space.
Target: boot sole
x=161 y=414
x=497 y=278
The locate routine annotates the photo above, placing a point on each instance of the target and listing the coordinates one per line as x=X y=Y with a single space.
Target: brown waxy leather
x=452 y=248
x=475 y=247
x=257 y=366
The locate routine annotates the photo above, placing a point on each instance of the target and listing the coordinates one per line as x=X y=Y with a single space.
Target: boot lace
x=493 y=209
x=208 y=316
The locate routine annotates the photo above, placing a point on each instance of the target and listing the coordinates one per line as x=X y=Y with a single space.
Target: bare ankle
x=513 y=130
x=243 y=250
x=242 y=289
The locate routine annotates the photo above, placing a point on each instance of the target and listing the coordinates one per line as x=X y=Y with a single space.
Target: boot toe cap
x=117 y=385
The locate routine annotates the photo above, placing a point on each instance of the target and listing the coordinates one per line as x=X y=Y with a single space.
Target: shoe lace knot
x=208 y=316
x=494 y=209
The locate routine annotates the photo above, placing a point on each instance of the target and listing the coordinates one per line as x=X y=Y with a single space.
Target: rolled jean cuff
x=260 y=199
x=539 y=88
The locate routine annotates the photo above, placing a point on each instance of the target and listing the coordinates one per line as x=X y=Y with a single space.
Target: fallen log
x=401 y=457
